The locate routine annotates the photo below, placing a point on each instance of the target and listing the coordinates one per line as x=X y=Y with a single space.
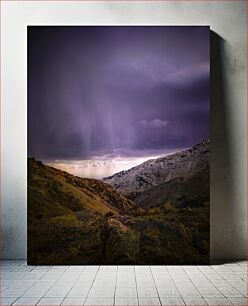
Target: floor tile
x=163 y=283
x=91 y=269
x=108 y=268
x=147 y=292
x=58 y=291
x=42 y=268
x=210 y=292
x=7 y=300
x=162 y=276
x=99 y=301
x=239 y=301
x=26 y=301
x=50 y=301
x=217 y=301
x=73 y=301
x=106 y=275
x=102 y=292
x=125 y=269
x=120 y=301
x=230 y=292
x=194 y=301
x=126 y=292
x=38 y=290
x=143 y=282
x=75 y=268
x=166 y=301
x=149 y=301
x=104 y=283
x=79 y=291
x=13 y=292
x=51 y=275
x=125 y=283
x=192 y=292
x=164 y=292
x=58 y=268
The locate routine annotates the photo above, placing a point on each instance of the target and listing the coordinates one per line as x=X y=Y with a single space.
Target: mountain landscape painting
x=118 y=145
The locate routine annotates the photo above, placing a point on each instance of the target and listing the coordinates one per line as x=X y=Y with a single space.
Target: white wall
x=228 y=178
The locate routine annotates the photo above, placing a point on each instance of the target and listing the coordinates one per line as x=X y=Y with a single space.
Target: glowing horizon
x=98 y=168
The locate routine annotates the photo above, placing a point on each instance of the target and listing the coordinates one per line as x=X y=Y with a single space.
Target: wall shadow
x=224 y=230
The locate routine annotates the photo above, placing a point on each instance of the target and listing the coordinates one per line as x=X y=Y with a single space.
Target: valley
x=154 y=213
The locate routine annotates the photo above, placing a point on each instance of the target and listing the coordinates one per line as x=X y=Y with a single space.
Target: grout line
x=38 y=301
x=115 y=283
x=227 y=281
x=210 y=282
x=73 y=284
x=35 y=284
x=135 y=277
x=176 y=286
x=155 y=285
x=192 y=282
x=235 y=304
x=237 y=273
x=87 y=295
x=14 y=301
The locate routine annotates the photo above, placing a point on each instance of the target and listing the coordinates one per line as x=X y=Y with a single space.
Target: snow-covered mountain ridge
x=182 y=164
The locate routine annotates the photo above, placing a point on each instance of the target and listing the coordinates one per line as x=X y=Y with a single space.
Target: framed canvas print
x=118 y=144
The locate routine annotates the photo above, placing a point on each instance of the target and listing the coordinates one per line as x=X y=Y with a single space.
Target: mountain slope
x=159 y=176
x=75 y=193
x=66 y=214
x=73 y=220
x=179 y=192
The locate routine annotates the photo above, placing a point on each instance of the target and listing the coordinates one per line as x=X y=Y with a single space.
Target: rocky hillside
x=75 y=193
x=178 y=169
x=179 y=192
x=74 y=220
x=62 y=209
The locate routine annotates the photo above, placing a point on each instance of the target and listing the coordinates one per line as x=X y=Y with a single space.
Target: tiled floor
x=123 y=285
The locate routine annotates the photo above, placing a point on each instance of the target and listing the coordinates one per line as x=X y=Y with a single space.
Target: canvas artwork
x=118 y=145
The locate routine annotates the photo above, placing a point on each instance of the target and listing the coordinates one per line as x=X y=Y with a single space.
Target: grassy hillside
x=74 y=220
x=180 y=192
x=66 y=215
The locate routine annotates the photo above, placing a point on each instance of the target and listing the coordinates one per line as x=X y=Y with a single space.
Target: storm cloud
x=96 y=90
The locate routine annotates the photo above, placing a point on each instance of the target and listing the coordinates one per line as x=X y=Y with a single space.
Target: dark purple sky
x=95 y=90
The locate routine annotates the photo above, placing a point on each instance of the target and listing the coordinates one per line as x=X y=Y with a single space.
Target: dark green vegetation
x=180 y=192
x=74 y=220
